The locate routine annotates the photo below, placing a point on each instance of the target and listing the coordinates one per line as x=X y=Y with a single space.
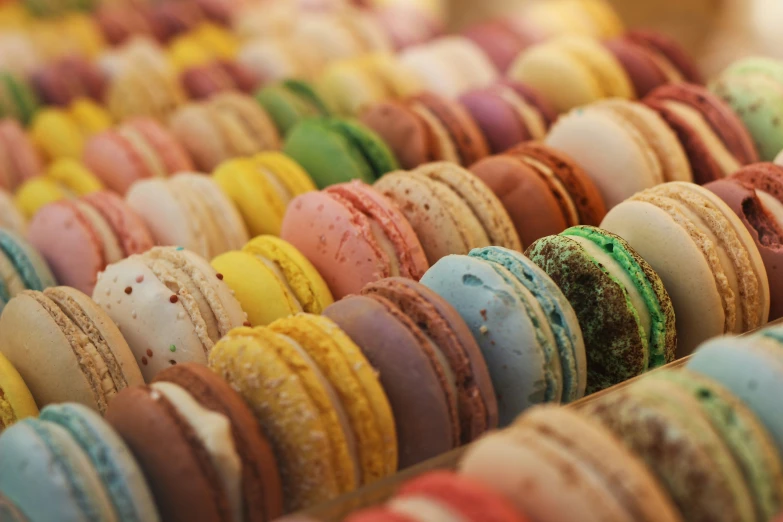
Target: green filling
x=369 y=145
x=656 y=338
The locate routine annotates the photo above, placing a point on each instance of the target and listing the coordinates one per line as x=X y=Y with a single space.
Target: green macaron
x=17 y=98
x=707 y=449
x=335 y=150
x=625 y=313
x=290 y=101
x=753 y=87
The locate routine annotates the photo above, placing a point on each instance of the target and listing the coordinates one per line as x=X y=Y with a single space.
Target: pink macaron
x=353 y=235
x=78 y=238
x=19 y=159
x=139 y=148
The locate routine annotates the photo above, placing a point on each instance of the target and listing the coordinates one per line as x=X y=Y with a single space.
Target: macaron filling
x=281 y=277
x=447 y=149
x=533 y=121
x=112 y=250
x=772 y=205
x=148 y=155
x=213 y=431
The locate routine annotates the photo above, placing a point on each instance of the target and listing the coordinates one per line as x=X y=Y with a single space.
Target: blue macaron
x=21 y=267
x=91 y=474
x=513 y=327
x=751 y=367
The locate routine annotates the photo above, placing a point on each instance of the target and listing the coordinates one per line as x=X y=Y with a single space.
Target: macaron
x=427 y=127
x=557 y=464
x=90 y=472
x=188 y=210
x=669 y=55
x=751 y=87
x=429 y=364
x=509 y=113
x=19 y=159
x=64 y=178
x=66 y=348
x=572 y=71
x=144 y=88
x=353 y=235
x=442 y=492
x=11 y=217
x=203 y=81
x=17 y=402
x=21 y=267
x=624 y=311
x=713 y=136
x=645 y=150
x=334 y=150
x=543 y=190
x=704 y=255
x=350 y=85
x=62 y=81
x=17 y=98
x=526 y=329
x=170 y=305
x=62 y=132
x=501 y=40
x=594 y=18
x=750 y=367
x=450 y=65
x=227 y=125
x=289 y=101
x=755 y=194
x=277 y=57
x=271 y=177
x=139 y=148
x=319 y=401
x=271 y=279
x=450 y=209
x=9 y=511
x=78 y=238
x=690 y=430
x=225 y=468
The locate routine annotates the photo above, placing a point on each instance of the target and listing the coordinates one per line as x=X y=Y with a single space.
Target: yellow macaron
x=64 y=178
x=62 y=133
x=261 y=188
x=16 y=401
x=297 y=408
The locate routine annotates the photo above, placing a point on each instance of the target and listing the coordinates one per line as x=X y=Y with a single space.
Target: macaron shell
x=130 y=230
x=406 y=132
x=486 y=301
x=110 y=157
x=17 y=401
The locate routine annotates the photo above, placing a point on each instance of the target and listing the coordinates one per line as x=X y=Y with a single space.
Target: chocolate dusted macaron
x=429 y=363
x=427 y=127
x=625 y=313
x=755 y=194
x=713 y=136
x=508 y=113
x=543 y=190
x=199 y=446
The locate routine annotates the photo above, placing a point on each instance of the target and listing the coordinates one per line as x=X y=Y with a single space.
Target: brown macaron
x=200 y=448
x=432 y=369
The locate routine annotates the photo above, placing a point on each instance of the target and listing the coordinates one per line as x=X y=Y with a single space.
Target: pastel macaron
x=706 y=258
x=271 y=279
x=290 y=101
x=451 y=210
x=671 y=418
x=19 y=159
x=442 y=492
x=170 y=305
x=66 y=348
x=226 y=125
x=188 y=210
x=62 y=81
x=225 y=467
x=543 y=190
x=319 y=401
x=526 y=329
x=63 y=132
x=334 y=150
x=751 y=87
x=204 y=80
x=755 y=194
x=558 y=464
x=17 y=401
x=64 y=178
x=429 y=364
x=138 y=148
x=22 y=267
x=353 y=235
x=91 y=473
x=572 y=71
x=427 y=127
x=270 y=177
x=78 y=238
x=646 y=151
x=713 y=136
